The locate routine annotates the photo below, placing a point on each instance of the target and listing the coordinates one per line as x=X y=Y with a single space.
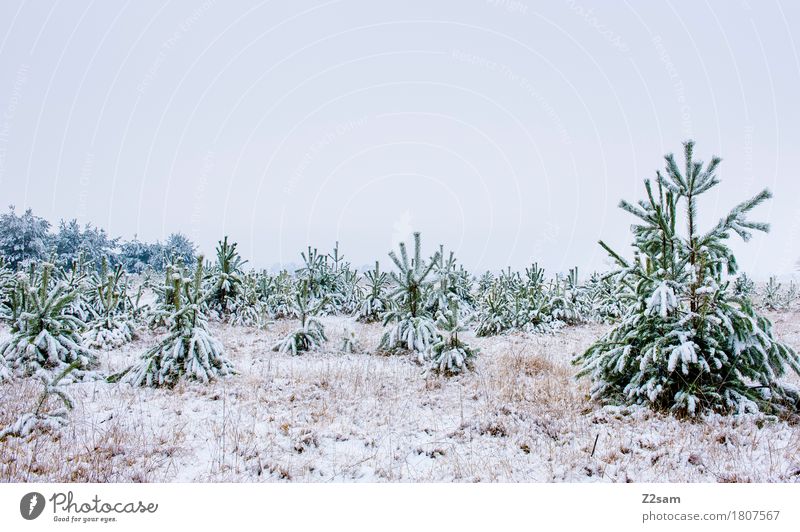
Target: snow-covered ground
x=329 y=416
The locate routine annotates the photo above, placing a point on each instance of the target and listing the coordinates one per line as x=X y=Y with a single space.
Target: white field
x=328 y=416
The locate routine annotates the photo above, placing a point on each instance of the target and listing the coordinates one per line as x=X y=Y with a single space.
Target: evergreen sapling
x=225 y=278
x=44 y=336
x=413 y=328
x=311 y=333
x=375 y=302
x=41 y=418
x=686 y=344
x=189 y=351
x=112 y=327
x=450 y=355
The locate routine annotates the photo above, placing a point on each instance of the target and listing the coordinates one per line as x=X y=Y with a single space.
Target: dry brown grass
x=520 y=416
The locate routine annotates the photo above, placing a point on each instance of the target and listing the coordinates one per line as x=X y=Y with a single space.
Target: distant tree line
x=27 y=237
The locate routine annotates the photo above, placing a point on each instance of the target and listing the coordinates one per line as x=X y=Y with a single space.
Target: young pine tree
x=450 y=355
x=772 y=297
x=112 y=327
x=44 y=336
x=225 y=278
x=311 y=333
x=77 y=279
x=251 y=308
x=606 y=298
x=493 y=312
x=686 y=344
x=449 y=281
x=43 y=418
x=414 y=328
x=375 y=302
x=159 y=314
x=320 y=277
x=743 y=286
x=277 y=292
x=189 y=351
x=569 y=300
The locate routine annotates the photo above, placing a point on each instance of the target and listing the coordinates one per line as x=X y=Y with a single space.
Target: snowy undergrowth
x=328 y=416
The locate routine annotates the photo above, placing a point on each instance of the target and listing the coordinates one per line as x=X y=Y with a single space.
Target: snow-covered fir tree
x=319 y=277
x=376 y=301
x=77 y=279
x=606 y=298
x=493 y=312
x=278 y=292
x=449 y=281
x=772 y=297
x=485 y=283
x=413 y=327
x=92 y=244
x=137 y=256
x=160 y=313
x=44 y=336
x=527 y=299
x=7 y=283
x=179 y=245
x=66 y=243
x=225 y=278
x=311 y=333
x=113 y=326
x=251 y=309
x=687 y=345
x=42 y=417
x=743 y=286
x=568 y=301
x=331 y=278
x=521 y=303
x=792 y=294
x=135 y=305
x=349 y=292
x=450 y=355
x=23 y=238
x=190 y=350
x=96 y=246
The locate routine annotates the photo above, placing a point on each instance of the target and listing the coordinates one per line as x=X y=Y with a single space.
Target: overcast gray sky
x=506 y=130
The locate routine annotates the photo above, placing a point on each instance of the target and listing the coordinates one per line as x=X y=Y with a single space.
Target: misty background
x=506 y=130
